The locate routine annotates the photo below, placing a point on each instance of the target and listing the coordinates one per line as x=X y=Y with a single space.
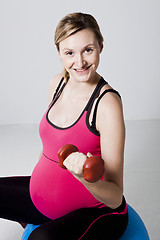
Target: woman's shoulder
x=55 y=80
x=54 y=84
x=109 y=107
x=110 y=98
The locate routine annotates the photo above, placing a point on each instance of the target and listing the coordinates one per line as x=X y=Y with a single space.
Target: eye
x=69 y=53
x=88 y=50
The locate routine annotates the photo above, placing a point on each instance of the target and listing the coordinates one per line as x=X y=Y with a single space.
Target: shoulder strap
x=95 y=93
x=57 y=89
x=93 y=123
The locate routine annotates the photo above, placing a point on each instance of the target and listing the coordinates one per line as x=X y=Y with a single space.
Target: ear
x=59 y=53
x=101 y=47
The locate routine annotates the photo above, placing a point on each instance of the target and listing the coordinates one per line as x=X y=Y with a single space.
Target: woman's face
x=80 y=55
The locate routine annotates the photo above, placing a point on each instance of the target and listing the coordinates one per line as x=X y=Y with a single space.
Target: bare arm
x=111 y=126
x=41 y=154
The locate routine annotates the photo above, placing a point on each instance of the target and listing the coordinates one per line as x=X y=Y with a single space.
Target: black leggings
x=85 y=223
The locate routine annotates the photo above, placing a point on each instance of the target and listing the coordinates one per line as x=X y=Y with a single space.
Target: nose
x=80 y=61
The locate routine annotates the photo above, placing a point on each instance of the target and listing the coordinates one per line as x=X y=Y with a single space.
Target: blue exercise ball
x=27 y=231
x=136 y=229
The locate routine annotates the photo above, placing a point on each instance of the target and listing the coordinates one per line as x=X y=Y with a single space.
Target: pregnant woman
x=84 y=110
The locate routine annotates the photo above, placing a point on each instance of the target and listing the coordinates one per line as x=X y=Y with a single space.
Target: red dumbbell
x=93 y=167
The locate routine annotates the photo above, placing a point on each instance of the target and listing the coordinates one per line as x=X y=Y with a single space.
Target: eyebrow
x=90 y=44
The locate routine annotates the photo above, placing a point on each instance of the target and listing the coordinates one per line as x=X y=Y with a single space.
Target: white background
x=28 y=58
x=130 y=63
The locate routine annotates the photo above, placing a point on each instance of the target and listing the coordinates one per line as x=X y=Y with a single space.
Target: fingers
x=74 y=163
x=89 y=154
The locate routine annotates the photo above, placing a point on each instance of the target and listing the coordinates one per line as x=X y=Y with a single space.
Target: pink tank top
x=55 y=191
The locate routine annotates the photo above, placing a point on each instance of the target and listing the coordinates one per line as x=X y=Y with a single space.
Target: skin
x=80 y=55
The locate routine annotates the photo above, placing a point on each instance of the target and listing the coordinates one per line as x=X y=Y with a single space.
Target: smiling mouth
x=82 y=70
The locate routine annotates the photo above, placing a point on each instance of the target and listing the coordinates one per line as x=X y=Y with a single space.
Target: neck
x=78 y=89
x=83 y=85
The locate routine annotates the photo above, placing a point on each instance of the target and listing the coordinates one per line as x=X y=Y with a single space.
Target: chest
x=65 y=113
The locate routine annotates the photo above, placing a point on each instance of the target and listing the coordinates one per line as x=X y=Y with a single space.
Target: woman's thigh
x=16 y=203
x=83 y=224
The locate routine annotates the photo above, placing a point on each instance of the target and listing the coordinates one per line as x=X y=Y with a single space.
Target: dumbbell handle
x=93 y=167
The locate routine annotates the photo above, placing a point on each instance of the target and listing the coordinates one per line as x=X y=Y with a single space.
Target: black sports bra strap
x=57 y=89
x=95 y=94
x=93 y=123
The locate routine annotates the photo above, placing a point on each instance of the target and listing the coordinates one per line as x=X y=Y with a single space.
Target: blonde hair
x=72 y=23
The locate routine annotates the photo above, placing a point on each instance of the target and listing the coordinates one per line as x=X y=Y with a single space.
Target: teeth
x=81 y=70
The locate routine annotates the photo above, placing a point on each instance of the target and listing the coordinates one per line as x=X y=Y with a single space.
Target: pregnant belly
x=56 y=192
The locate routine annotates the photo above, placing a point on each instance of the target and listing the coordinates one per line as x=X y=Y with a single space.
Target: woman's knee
x=40 y=233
